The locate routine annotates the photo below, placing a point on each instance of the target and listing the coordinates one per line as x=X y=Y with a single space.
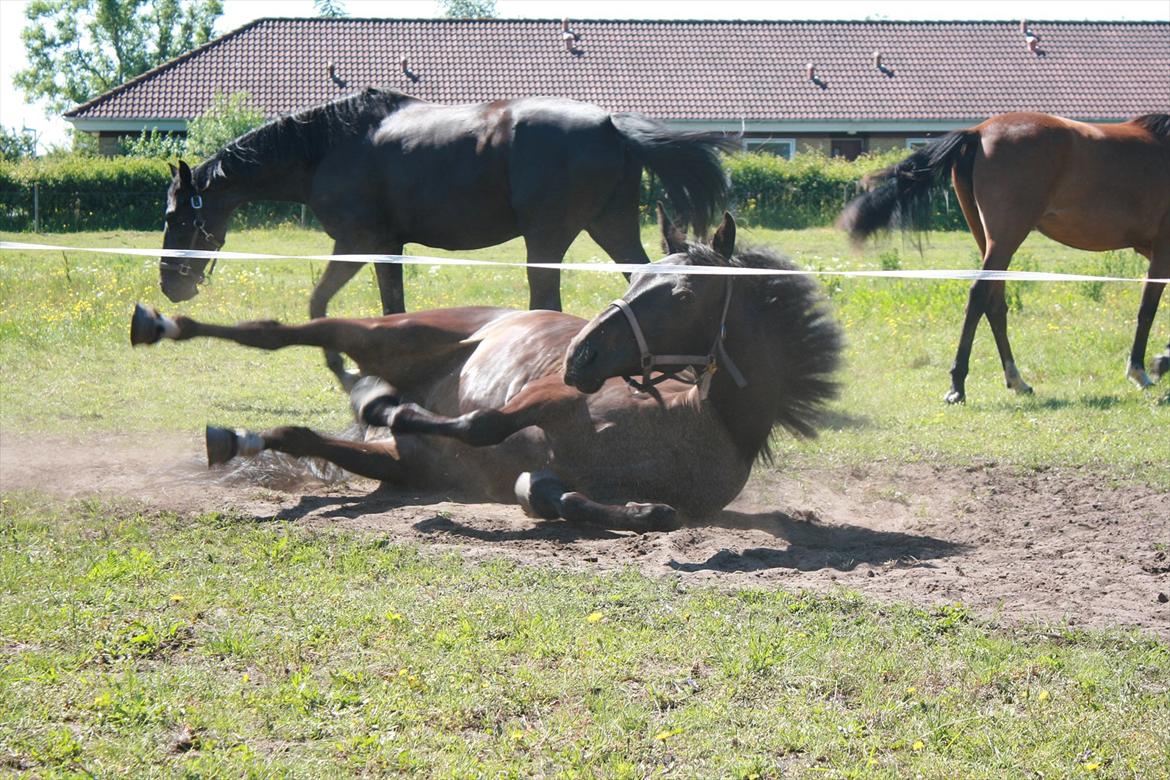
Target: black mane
x=306 y=135
x=804 y=340
x=1158 y=124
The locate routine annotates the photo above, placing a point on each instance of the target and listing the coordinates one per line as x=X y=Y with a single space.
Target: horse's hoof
x=1021 y=388
x=533 y=503
x=653 y=517
x=145 y=325
x=369 y=398
x=1139 y=377
x=222 y=445
x=955 y=397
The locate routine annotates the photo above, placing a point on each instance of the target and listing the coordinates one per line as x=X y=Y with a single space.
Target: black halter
x=182 y=265
x=710 y=362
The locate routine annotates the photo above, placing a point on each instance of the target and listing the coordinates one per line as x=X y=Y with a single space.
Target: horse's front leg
x=1151 y=295
x=375 y=460
x=547 y=400
x=336 y=274
x=544 y=495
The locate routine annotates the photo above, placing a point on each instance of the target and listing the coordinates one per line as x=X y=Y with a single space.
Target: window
x=849 y=148
x=781 y=147
x=917 y=143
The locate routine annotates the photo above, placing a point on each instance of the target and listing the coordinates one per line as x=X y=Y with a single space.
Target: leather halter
x=183 y=265
x=710 y=362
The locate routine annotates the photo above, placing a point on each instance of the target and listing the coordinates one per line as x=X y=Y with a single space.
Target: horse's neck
x=747 y=412
x=283 y=180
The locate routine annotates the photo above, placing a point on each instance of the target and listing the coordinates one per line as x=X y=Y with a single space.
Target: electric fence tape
x=655 y=268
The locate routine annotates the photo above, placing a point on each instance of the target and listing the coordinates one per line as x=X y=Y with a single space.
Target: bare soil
x=1053 y=546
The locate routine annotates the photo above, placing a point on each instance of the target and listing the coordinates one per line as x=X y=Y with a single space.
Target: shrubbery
x=87 y=193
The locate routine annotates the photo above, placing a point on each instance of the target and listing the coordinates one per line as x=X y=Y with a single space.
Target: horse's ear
x=185 y=175
x=723 y=242
x=673 y=239
x=174 y=170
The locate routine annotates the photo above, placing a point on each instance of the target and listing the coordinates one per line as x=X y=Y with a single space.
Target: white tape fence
x=656 y=268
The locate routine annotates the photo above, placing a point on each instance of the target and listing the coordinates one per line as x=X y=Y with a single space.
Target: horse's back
x=1091 y=186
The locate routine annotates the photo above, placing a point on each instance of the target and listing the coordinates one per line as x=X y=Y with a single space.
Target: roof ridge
x=557 y=20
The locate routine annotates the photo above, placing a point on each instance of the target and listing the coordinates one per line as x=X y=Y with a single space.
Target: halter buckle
x=196 y=202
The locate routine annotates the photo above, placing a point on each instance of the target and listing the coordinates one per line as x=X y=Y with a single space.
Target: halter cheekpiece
x=183 y=265
x=710 y=363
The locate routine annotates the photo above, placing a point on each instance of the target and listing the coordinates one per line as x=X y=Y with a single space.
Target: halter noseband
x=183 y=265
x=710 y=362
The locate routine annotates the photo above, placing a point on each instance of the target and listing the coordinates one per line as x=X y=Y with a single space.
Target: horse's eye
x=684 y=295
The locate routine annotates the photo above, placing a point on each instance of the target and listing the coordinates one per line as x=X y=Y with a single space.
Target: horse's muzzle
x=178 y=288
x=578 y=362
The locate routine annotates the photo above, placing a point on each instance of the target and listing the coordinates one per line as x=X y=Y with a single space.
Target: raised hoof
x=955 y=397
x=1139 y=377
x=222 y=445
x=146 y=325
x=533 y=503
x=369 y=397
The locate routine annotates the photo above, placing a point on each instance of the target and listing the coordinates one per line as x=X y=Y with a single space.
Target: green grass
x=158 y=645
x=65 y=352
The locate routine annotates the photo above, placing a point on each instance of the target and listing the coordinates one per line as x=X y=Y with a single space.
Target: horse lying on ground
x=381 y=169
x=1088 y=186
x=500 y=404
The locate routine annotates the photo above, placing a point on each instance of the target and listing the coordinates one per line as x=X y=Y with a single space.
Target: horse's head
x=664 y=322
x=192 y=222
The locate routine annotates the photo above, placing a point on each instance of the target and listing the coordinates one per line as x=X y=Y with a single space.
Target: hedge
x=128 y=193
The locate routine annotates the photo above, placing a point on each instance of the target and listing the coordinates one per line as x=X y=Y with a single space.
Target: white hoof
x=955 y=397
x=1139 y=377
x=1015 y=381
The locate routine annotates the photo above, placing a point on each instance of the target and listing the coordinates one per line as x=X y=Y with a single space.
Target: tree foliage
x=78 y=49
x=15 y=145
x=329 y=9
x=468 y=9
x=229 y=117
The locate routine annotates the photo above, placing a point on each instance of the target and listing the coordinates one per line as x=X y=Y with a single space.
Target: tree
x=78 y=49
x=15 y=145
x=330 y=9
x=468 y=9
x=228 y=118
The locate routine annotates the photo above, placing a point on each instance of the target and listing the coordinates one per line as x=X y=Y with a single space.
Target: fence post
x=302 y=215
x=36 y=207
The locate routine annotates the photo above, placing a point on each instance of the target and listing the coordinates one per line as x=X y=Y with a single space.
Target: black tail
x=687 y=163
x=901 y=198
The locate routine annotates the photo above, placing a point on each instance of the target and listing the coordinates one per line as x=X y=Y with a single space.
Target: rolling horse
x=381 y=169
x=650 y=414
x=1089 y=186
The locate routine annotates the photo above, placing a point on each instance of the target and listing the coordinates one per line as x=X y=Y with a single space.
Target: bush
x=101 y=193
x=87 y=193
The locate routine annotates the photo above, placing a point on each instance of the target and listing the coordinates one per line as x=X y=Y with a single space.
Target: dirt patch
x=1053 y=545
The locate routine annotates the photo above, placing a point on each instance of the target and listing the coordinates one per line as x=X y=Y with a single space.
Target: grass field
x=213 y=645
x=207 y=646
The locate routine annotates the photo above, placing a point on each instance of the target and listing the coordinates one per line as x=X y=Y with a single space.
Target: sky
x=51 y=130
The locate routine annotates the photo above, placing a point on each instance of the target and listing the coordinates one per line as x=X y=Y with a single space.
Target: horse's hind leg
x=336 y=274
x=1151 y=295
x=617 y=229
x=544 y=495
x=376 y=460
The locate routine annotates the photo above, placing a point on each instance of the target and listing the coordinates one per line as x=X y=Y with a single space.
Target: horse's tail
x=899 y=196
x=687 y=163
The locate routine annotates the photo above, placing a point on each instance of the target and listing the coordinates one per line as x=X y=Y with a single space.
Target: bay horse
x=1089 y=186
x=532 y=406
x=381 y=169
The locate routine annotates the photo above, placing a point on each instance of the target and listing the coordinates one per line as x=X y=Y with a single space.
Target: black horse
x=381 y=169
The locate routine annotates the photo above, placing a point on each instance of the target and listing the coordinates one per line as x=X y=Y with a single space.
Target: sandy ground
x=1059 y=545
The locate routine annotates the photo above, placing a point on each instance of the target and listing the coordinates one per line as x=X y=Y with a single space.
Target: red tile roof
x=714 y=70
